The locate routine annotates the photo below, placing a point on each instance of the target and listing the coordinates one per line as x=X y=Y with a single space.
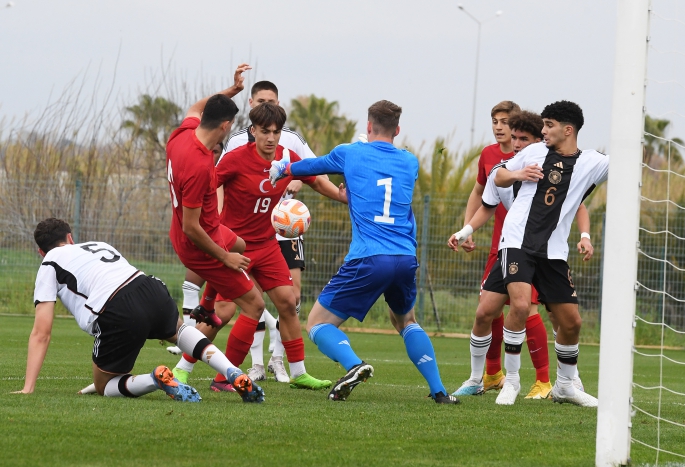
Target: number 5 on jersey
x=385 y=218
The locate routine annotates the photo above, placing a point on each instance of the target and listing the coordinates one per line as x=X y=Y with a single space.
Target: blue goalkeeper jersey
x=380 y=185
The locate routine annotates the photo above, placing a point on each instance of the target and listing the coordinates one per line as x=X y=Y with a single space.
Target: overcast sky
x=420 y=55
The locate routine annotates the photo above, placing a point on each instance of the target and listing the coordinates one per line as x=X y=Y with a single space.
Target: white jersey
x=84 y=277
x=290 y=140
x=493 y=195
x=539 y=220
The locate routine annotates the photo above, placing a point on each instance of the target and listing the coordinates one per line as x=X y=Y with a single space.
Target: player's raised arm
x=38 y=345
x=197 y=108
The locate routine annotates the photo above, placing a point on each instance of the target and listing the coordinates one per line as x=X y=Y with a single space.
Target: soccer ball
x=290 y=218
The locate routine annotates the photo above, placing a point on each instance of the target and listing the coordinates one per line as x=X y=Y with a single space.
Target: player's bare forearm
x=325 y=187
x=583 y=218
x=474 y=202
x=197 y=108
x=39 y=340
x=584 y=246
x=194 y=231
x=505 y=178
x=481 y=216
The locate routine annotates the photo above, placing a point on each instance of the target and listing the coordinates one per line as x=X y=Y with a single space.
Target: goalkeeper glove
x=280 y=169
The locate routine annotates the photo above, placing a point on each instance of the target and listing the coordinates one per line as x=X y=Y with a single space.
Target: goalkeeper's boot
x=572 y=395
x=164 y=380
x=470 y=388
x=442 y=398
x=540 y=390
x=181 y=375
x=277 y=367
x=305 y=381
x=244 y=386
x=203 y=315
x=495 y=381
x=344 y=386
x=508 y=394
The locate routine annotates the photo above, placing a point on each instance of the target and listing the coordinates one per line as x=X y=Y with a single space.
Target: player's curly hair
x=527 y=121
x=384 y=117
x=50 y=233
x=565 y=112
x=268 y=114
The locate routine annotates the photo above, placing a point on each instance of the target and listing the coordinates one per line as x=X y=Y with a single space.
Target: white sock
x=279 y=350
x=257 y=349
x=184 y=364
x=191 y=298
x=296 y=368
x=188 y=338
x=513 y=341
x=479 y=348
x=567 y=369
x=134 y=385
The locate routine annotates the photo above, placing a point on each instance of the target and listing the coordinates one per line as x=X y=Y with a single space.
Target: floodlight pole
x=621 y=241
x=475 y=80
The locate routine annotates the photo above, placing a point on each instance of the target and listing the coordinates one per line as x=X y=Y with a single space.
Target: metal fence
x=134 y=216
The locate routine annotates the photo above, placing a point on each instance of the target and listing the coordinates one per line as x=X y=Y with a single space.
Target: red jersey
x=249 y=197
x=192 y=183
x=491 y=156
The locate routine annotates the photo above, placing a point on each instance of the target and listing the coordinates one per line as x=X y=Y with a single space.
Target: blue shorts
x=360 y=282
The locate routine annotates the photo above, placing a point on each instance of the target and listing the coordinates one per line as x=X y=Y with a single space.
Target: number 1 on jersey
x=385 y=218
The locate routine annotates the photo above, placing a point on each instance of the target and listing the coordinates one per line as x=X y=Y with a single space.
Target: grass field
x=387 y=421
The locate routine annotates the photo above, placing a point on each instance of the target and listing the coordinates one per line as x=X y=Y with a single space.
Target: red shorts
x=226 y=281
x=492 y=259
x=268 y=268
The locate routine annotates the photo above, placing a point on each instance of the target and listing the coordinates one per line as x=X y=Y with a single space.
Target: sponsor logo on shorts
x=513 y=268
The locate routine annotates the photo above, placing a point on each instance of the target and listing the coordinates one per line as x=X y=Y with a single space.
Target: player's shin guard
x=493 y=359
x=130 y=386
x=421 y=353
x=479 y=347
x=513 y=342
x=240 y=339
x=294 y=351
x=536 y=338
x=190 y=295
x=334 y=344
x=193 y=341
x=567 y=362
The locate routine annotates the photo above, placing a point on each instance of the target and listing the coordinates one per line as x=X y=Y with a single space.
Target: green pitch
x=387 y=421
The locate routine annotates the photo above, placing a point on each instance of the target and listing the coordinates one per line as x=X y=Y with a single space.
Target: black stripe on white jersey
x=548 y=200
x=65 y=277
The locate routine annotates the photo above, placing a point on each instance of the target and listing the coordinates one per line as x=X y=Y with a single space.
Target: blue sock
x=421 y=353
x=334 y=344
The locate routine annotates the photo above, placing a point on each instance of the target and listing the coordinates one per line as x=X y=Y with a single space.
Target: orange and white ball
x=290 y=218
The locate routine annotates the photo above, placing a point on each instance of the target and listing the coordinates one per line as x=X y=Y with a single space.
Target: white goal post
x=621 y=235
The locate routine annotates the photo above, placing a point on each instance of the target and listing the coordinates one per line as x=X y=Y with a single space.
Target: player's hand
x=294 y=187
x=342 y=193
x=469 y=245
x=531 y=173
x=363 y=138
x=585 y=247
x=460 y=237
x=236 y=261
x=238 y=78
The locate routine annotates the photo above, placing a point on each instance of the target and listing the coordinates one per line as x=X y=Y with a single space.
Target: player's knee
x=572 y=324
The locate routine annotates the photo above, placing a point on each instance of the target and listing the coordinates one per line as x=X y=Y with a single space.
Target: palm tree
x=320 y=123
x=657 y=146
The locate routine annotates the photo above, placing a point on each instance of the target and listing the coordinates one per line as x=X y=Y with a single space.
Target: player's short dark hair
x=50 y=233
x=530 y=122
x=507 y=107
x=384 y=117
x=219 y=109
x=263 y=86
x=268 y=114
x=565 y=112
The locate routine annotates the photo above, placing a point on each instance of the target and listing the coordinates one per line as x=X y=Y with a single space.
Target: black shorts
x=141 y=310
x=293 y=252
x=551 y=277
